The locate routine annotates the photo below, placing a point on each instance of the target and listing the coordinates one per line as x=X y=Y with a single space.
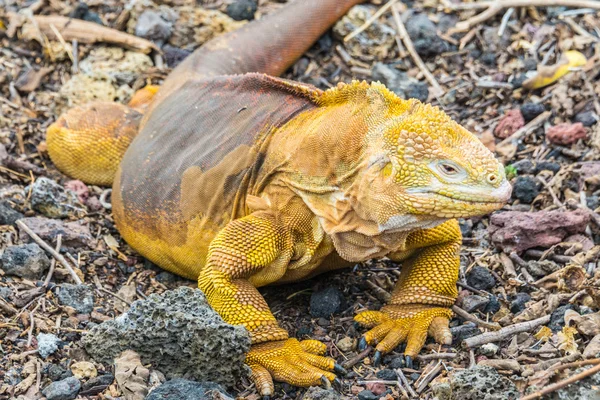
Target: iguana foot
x=409 y=323
x=297 y=363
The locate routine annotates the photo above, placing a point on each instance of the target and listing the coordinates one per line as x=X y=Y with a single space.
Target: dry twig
x=469 y=317
x=504 y=332
x=562 y=384
x=370 y=21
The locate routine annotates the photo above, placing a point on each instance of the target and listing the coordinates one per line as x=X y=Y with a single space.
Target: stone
x=585 y=389
x=593 y=202
x=52 y=200
x=367 y=395
x=84 y=369
x=65 y=389
x=478 y=383
x=474 y=303
x=518 y=304
x=240 y=10
x=399 y=82
x=25 y=260
x=8 y=216
x=82 y=11
x=531 y=110
x=489 y=59
x=511 y=122
x=73 y=234
x=179 y=334
x=557 y=318
x=423 y=34
x=47 y=344
x=151 y=26
x=183 y=389
x=326 y=302
x=99 y=382
x=387 y=375
x=480 y=278
x=587 y=118
x=519 y=231
x=5 y=292
x=318 y=393
x=174 y=55
x=547 y=166
x=489 y=349
x=56 y=372
x=524 y=166
x=525 y=189
x=465 y=331
x=493 y=305
x=566 y=134
x=80 y=297
x=346 y=344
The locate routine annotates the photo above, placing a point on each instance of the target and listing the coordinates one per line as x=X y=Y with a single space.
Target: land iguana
x=236 y=178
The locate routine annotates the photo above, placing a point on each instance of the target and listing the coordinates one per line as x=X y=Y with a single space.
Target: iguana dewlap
x=242 y=179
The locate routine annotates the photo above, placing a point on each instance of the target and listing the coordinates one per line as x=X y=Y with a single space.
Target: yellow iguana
x=239 y=179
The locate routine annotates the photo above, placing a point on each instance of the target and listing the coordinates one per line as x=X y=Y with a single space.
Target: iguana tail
x=89 y=142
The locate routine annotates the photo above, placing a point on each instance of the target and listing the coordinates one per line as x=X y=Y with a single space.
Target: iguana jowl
x=238 y=179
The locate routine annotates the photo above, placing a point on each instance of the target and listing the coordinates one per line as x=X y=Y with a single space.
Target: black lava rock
x=80 y=297
x=518 y=80
x=56 y=372
x=25 y=260
x=326 y=302
x=387 y=375
x=547 y=166
x=462 y=332
x=519 y=302
x=242 y=10
x=489 y=58
x=525 y=189
x=524 y=166
x=65 y=389
x=493 y=306
x=531 y=110
x=82 y=11
x=587 y=118
x=423 y=34
x=97 y=384
x=8 y=216
x=481 y=278
x=182 y=389
x=174 y=55
x=367 y=395
x=557 y=319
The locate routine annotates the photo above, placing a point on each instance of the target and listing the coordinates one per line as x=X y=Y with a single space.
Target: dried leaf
x=588 y=324
x=547 y=75
x=131 y=376
x=544 y=334
x=566 y=340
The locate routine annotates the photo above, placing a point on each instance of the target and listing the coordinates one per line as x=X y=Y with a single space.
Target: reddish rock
x=74 y=234
x=565 y=134
x=519 y=231
x=79 y=188
x=511 y=122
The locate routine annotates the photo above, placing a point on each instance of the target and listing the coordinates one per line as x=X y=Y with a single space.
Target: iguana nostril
x=492 y=178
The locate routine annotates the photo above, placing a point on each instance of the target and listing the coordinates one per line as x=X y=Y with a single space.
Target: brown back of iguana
x=201 y=139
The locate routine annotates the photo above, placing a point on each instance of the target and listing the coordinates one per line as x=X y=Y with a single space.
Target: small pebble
x=65 y=389
x=241 y=10
x=52 y=200
x=346 y=344
x=525 y=189
x=367 y=395
x=387 y=375
x=493 y=305
x=524 y=166
x=80 y=297
x=84 y=369
x=318 y=393
x=56 y=372
x=82 y=11
x=547 y=166
x=47 y=344
x=25 y=260
x=488 y=349
x=462 y=332
x=480 y=278
x=519 y=302
x=8 y=216
x=474 y=303
x=587 y=118
x=531 y=110
x=557 y=318
x=326 y=302
x=151 y=26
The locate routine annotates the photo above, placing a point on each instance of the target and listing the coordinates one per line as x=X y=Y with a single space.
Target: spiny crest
x=374 y=93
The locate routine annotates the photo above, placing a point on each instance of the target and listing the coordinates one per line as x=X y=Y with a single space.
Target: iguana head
x=421 y=163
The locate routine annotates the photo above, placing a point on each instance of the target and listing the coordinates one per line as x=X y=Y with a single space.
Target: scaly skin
x=242 y=181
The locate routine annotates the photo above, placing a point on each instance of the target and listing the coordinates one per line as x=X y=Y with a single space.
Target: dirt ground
x=525 y=80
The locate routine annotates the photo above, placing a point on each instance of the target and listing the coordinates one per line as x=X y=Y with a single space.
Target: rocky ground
x=525 y=80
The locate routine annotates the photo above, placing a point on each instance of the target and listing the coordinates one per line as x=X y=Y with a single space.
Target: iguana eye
x=448 y=169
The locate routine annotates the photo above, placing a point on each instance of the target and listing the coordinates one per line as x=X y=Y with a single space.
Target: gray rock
x=151 y=26
x=326 y=302
x=52 y=200
x=481 y=278
x=8 y=216
x=66 y=389
x=525 y=189
x=80 y=297
x=25 y=260
x=56 y=372
x=318 y=393
x=47 y=344
x=524 y=166
x=585 y=389
x=404 y=86
x=179 y=334
x=5 y=292
x=531 y=110
x=73 y=234
x=423 y=34
x=557 y=318
x=387 y=375
x=587 y=118
x=474 y=302
x=462 y=332
x=182 y=389
x=519 y=302
x=240 y=10
x=367 y=395
x=479 y=383
x=100 y=381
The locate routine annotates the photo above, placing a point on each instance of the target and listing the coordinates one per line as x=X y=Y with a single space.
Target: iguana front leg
x=421 y=301
x=259 y=242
